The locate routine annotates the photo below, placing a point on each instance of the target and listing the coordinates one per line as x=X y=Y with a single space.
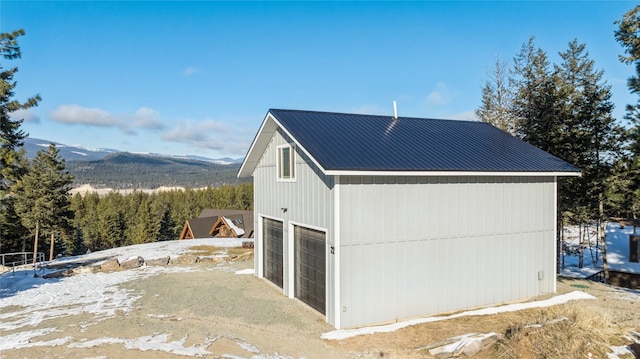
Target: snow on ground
x=617 y=252
x=152 y=342
x=87 y=188
x=39 y=299
x=560 y=299
x=154 y=250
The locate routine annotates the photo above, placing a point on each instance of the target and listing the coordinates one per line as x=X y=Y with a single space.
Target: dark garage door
x=272 y=231
x=310 y=267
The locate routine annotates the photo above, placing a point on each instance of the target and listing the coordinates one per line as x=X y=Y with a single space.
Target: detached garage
x=372 y=219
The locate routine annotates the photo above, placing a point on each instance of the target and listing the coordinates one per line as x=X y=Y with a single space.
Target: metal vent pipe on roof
x=395 y=110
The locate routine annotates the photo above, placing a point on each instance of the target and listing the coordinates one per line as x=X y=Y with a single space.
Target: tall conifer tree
x=42 y=195
x=628 y=35
x=13 y=163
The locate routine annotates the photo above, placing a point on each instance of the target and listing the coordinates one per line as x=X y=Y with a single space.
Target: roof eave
x=454 y=173
x=259 y=144
x=269 y=126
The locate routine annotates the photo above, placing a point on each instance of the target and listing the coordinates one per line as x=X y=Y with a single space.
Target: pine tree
x=591 y=133
x=167 y=231
x=147 y=224
x=535 y=99
x=628 y=35
x=593 y=136
x=13 y=163
x=111 y=224
x=42 y=199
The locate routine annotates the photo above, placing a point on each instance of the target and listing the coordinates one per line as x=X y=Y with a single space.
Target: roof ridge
x=371 y=115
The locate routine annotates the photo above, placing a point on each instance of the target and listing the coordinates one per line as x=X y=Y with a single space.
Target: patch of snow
x=618 y=351
x=25 y=339
x=239 y=231
x=98 y=294
x=79 y=153
x=157 y=342
x=245 y=271
x=560 y=299
x=248 y=347
x=154 y=250
x=617 y=252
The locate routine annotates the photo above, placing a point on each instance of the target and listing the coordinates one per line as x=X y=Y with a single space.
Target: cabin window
x=286 y=163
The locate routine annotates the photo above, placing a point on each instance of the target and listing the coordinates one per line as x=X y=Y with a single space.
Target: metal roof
x=342 y=143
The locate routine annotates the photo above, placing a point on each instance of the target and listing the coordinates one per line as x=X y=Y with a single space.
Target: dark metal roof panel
x=351 y=142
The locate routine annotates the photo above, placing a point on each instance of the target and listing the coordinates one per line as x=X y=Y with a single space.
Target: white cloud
x=211 y=134
x=147 y=118
x=440 y=95
x=27 y=115
x=143 y=118
x=74 y=114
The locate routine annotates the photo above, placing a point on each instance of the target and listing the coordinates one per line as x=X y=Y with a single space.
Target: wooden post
x=51 y=248
x=35 y=245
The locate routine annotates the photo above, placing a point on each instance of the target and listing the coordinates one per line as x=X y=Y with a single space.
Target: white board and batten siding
x=308 y=201
x=413 y=246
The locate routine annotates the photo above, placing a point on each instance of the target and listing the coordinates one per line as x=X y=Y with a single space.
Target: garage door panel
x=273 y=251
x=310 y=255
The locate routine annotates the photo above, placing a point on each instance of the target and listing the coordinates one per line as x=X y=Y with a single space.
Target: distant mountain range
x=78 y=153
x=123 y=170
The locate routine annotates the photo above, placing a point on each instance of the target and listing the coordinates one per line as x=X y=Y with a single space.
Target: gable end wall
x=308 y=200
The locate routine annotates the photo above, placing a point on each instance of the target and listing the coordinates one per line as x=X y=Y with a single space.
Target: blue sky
x=199 y=77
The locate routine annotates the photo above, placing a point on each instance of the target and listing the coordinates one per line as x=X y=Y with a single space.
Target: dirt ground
x=240 y=316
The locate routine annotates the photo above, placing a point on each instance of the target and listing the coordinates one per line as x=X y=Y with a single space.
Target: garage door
x=310 y=267
x=272 y=232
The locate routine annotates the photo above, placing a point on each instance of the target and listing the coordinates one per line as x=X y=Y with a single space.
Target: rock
x=132 y=263
x=58 y=274
x=467 y=344
x=185 y=259
x=242 y=257
x=475 y=346
x=211 y=260
x=158 y=261
x=110 y=265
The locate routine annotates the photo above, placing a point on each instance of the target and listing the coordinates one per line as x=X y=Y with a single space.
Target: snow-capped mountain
x=79 y=153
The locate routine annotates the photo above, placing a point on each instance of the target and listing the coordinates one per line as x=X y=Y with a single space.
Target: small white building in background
x=374 y=219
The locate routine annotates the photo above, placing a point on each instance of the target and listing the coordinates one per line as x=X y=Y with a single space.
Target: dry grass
x=567 y=331
x=204 y=250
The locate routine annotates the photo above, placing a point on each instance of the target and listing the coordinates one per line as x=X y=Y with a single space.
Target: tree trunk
x=51 y=248
x=35 y=244
x=605 y=264
x=580 y=248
